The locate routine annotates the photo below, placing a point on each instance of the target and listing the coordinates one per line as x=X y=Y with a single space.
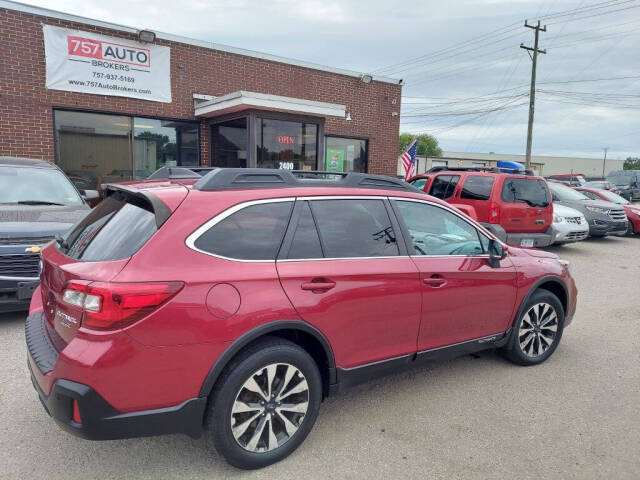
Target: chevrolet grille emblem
x=34 y=249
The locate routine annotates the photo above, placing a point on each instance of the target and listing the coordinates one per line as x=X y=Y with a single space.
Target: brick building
x=223 y=106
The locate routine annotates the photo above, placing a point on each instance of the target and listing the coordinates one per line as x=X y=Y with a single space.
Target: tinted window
x=531 y=191
x=354 y=228
x=443 y=186
x=477 y=187
x=253 y=233
x=23 y=184
x=436 y=231
x=114 y=230
x=419 y=183
x=305 y=243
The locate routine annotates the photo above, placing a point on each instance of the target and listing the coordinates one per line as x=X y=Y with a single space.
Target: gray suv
x=604 y=218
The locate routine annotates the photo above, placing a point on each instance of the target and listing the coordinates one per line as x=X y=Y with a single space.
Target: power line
x=481 y=39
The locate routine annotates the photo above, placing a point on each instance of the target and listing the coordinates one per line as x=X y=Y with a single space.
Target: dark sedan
x=37 y=202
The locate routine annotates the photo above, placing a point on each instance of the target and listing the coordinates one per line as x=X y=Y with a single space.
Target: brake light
x=494 y=213
x=109 y=306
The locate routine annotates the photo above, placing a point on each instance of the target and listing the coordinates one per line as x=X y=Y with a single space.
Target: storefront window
x=159 y=143
x=95 y=148
x=345 y=154
x=229 y=143
x=288 y=145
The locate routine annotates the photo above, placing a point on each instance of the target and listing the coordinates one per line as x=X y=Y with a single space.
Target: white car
x=569 y=225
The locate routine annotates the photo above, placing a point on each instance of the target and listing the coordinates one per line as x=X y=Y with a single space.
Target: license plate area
x=26 y=289
x=527 y=242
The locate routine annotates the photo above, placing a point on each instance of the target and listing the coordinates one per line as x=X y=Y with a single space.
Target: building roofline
x=46 y=12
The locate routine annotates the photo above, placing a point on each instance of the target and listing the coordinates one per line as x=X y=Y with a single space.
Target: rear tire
x=537 y=331
x=265 y=404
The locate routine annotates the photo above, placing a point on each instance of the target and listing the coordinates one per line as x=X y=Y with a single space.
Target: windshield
x=613 y=197
x=564 y=193
x=33 y=185
x=621 y=179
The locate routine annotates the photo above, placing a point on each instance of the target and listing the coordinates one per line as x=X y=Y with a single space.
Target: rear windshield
x=531 y=191
x=114 y=230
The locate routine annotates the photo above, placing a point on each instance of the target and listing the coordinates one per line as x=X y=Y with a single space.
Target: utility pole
x=532 y=92
x=604 y=162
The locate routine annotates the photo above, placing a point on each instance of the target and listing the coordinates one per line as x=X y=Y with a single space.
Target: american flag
x=409 y=160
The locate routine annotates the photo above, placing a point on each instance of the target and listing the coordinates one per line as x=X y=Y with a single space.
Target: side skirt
x=348 y=377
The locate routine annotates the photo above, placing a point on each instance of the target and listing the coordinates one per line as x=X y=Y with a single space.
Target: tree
x=632 y=163
x=427 y=145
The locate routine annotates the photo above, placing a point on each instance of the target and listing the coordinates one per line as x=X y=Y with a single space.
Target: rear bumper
x=99 y=419
x=539 y=239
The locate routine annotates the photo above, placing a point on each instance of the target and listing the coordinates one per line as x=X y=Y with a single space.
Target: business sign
x=91 y=63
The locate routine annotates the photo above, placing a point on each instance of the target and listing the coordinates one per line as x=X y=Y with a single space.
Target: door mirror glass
x=497 y=252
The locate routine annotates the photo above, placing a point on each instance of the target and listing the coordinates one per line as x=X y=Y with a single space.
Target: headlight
x=558 y=219
x=565 y=264
x=597 y=209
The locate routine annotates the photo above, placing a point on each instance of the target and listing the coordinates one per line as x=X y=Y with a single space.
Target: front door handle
x=434 y=281
x=318 y=285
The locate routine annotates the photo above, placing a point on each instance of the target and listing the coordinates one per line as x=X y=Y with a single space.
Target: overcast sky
x=473 y=97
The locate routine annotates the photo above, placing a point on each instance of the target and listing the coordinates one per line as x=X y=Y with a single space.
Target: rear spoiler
x=160 y=210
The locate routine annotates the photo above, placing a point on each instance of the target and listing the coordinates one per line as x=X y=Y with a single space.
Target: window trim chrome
x=192 y=237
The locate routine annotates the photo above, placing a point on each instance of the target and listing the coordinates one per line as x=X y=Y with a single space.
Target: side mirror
x=89 y=195
x=497 y=252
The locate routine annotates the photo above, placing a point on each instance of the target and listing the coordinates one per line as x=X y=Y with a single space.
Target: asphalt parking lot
x=576 y=416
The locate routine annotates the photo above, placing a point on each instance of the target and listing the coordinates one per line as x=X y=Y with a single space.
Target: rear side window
x=252 y=233
x=443 y=186
x=477 y=187
x=114 y=230
x=531 y=191
x=354 y=228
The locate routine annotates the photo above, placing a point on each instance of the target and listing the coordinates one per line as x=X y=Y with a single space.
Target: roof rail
x=179 y=172
x=241 y=178
x=442 y=168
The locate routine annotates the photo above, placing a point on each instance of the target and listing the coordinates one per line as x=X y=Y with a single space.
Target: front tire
x=265 y=404
x=537 y=331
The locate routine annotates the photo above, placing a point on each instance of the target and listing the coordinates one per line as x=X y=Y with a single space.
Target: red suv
x=235 y=306
x=520 y=204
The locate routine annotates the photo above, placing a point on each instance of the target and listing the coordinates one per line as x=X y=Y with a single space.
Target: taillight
x=108 y=306
x=494 y=213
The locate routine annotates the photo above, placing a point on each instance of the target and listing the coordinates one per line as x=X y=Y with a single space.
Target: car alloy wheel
x=538 y=329
x=269 y=407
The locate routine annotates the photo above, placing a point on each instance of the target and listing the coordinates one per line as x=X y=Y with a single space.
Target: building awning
x=207 y=107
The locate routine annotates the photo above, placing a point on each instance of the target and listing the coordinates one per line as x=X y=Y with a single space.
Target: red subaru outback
x=233 y=307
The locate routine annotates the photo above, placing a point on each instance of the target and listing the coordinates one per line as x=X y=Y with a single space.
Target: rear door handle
x=318 y=286
x=434 y=281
